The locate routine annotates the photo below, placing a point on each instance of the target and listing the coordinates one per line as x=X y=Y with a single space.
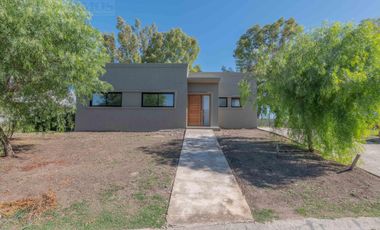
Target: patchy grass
x=315 y=205
x=147 y=210
x=151 y=214
x=106 y=180
x=110 y=193
x=264 y=215
x=295 y=183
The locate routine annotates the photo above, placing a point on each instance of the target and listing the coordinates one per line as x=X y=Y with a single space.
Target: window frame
x=106 y=97
x=156 y=106
x=234 y=98
x=226 y=98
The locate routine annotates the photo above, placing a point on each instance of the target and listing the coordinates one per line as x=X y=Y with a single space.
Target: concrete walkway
x=370 y=158
x=205 y=190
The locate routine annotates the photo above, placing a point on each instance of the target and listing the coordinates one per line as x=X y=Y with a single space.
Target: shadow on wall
x=257 y=162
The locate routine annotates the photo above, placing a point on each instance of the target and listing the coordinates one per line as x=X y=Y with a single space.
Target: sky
x=218 y=24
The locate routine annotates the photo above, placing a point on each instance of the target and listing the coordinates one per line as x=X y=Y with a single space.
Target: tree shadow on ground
x=258 y=162
x=199 y=153
x=22 y=148
x=254 y=160
x=166 y=153
x=373 y=140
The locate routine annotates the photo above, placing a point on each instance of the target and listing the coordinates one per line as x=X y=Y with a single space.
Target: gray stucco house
x=149 y=97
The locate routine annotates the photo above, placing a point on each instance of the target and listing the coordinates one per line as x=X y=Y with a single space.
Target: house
x=149 y=97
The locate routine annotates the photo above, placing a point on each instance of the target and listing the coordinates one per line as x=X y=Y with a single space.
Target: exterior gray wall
x=132 y=80
x=233 y=118
x=244 y=117
x=207 y=88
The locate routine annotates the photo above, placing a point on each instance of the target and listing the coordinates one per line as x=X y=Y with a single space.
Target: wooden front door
x=194 y=111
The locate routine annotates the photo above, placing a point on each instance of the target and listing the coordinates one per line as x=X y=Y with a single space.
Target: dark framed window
x=111 y=99
x=223 y=102
x=157 y=99
x=235 y=102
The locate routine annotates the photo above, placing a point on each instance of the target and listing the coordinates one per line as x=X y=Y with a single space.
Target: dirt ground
x=132 y=172
x=295 y=183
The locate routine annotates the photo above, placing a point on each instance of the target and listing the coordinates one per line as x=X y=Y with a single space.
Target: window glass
x=150 y=99
x=166 y=99
x=235 y=102
x=223 y=102
x=98 y=100
x=206 y=109
x=106 y=99
x=114 y=99
x=158 y=99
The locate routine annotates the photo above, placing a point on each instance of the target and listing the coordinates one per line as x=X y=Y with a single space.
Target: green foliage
x=245 y=91
x=109 y=43
x=147 y=45
x=258 y=43
x=48 y=50
x=257 y=46
x=59 y=119
x=325 y=86
x=196 y=69
x=226 y=69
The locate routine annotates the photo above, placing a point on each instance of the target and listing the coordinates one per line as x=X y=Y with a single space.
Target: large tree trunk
x=7 y=147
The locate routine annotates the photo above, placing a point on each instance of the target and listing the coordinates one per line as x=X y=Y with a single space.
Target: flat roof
x=214 y=74
x=202 y=79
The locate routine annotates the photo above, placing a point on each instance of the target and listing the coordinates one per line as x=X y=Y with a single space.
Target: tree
x=48 y=50
x=196 y=68
x=325 y=85
x=147 y=45
x=109 y=43
x=128 y=51
x=261 y=42
x=226 y=69
x=173 y=46
x=258 y=45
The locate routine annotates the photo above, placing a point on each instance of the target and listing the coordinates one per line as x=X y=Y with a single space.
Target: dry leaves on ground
x=34 y=206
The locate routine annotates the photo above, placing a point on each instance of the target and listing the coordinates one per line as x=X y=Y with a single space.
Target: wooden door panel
x=194 y=110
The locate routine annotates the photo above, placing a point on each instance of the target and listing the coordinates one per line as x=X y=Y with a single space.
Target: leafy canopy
x=325 y=85
x=258 y=45
x=259 y=42
x=146 y=45
x=48 y=50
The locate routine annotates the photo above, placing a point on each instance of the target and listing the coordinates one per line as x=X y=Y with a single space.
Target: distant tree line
x=137 y=44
